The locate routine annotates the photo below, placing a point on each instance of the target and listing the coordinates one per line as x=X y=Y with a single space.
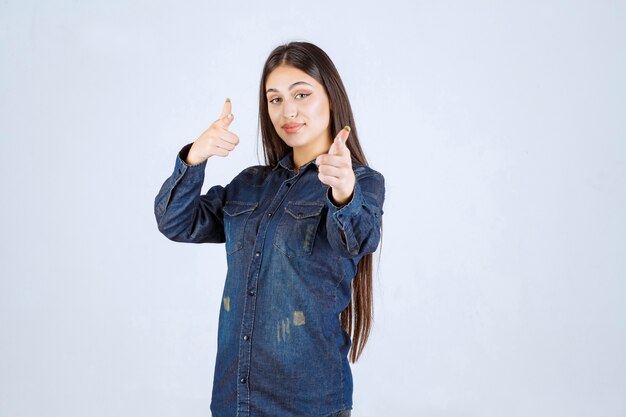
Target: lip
x=292 y=127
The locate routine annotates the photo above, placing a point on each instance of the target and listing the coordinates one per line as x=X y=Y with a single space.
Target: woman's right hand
x=216 y=140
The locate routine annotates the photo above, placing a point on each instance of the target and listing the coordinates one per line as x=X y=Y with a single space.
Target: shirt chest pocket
x=297 y=228
x=236 y=214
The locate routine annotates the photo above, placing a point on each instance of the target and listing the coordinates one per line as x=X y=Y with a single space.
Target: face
x=294 y=97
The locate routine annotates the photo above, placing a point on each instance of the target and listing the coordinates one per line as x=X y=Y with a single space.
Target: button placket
x=247 y=329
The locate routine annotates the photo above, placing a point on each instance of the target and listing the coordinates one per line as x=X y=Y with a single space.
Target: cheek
x=318 y=110
x=315 y=107
x=274 y=116
x=315 y=112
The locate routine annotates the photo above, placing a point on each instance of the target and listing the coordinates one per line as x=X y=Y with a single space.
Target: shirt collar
x=287 y=162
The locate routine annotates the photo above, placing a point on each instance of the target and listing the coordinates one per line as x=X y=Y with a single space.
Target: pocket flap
x=235 y=208
x=302 y=210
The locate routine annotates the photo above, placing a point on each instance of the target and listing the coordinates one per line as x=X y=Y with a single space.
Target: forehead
x=281 y=78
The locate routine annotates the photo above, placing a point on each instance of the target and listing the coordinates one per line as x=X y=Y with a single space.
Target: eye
x=299 y=94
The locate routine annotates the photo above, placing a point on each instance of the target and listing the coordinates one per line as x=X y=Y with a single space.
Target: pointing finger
x=226 y=117
x=226 y=109
x=339 y=144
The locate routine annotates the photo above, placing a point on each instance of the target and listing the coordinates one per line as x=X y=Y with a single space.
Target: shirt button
x=251 y=293
x=246 y=337
x=242 y=380
x=288 y=184
x=269 y=214
x=258 y=254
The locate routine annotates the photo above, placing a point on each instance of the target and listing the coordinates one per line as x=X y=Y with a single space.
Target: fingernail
x=347 y=128
x=227 y=99
x=339 y=140
x=229 y=116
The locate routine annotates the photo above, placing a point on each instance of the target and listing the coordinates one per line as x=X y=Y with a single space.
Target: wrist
x=340 y=201
x=193 y=162
x=190 y=158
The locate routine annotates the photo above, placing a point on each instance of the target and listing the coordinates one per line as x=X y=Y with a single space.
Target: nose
x=290 y=109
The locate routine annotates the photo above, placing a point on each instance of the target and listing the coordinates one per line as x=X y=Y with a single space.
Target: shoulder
x=370 y=181
x=364 y=171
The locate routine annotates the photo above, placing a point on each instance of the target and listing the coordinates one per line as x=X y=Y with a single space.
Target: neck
x=303 y=154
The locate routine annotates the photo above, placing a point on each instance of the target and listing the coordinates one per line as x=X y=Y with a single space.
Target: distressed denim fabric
x=291 y=255
x=344 y=413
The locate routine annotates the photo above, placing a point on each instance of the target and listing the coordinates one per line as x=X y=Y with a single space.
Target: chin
x=299 y=143
x=295 y=141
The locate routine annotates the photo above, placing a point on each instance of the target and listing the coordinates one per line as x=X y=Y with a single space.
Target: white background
x=499 y=127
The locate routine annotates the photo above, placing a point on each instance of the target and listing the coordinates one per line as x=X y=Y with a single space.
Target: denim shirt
x=291 y=255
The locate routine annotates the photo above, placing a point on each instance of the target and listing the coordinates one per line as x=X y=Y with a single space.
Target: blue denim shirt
x=291 y=255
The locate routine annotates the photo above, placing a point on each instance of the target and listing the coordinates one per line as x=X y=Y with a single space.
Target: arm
x=182 y=213
x=354 y=229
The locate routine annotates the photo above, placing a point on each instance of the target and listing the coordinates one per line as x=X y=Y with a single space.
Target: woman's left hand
x=335 y=169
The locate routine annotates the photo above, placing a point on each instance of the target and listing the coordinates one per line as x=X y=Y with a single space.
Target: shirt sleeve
x=354 y=229
x=182 y=213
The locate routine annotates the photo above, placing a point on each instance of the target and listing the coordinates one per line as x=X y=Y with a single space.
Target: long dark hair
x=357 y=318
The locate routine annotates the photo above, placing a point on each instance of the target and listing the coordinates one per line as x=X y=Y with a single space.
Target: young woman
x=299 y=234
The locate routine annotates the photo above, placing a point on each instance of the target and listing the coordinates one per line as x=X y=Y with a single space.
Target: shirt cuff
x=183 y=168
x=351 y=208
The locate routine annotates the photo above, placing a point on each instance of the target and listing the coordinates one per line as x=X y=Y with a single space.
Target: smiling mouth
x=294 y=128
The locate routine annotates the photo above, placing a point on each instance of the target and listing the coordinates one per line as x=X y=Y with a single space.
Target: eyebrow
x=290 y=87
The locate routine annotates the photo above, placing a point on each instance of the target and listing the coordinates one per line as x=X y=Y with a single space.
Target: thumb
x=226 y=117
